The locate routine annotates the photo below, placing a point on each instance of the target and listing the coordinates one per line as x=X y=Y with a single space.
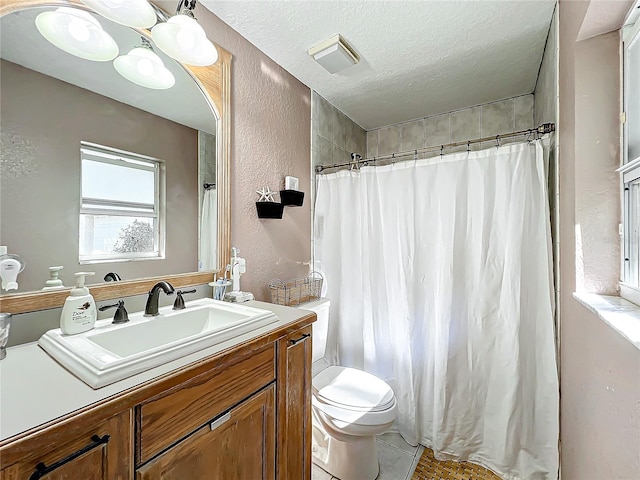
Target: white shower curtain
x=439 y=274
x=208 y=231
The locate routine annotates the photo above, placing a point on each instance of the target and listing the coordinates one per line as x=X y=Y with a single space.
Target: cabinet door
x=294 y=406
x=101 y=453
x=238 y=445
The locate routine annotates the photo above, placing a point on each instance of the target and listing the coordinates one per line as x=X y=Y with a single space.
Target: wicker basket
x=295 y=292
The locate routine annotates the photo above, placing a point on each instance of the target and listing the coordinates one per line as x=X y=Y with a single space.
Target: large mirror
x=81 y=144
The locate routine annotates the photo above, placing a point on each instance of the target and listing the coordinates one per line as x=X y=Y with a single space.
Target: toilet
x=349 y=408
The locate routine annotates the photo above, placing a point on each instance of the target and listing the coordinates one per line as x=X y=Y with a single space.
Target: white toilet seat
x=352 y=396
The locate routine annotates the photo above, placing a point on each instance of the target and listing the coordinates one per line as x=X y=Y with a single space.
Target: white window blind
x=120 y=206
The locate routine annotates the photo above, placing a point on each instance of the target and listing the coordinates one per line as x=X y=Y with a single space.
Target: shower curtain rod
x=541 y=130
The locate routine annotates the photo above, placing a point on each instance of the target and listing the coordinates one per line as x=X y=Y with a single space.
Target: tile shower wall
x=334 y=136
x=545 y=109
x=478 y=121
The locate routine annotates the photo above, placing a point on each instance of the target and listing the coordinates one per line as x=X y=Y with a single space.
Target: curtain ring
x=468 y=146
x=415 y=154
x=441 y=150
x=497 y=141
x=393 y=158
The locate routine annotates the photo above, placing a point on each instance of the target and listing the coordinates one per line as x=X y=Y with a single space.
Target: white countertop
x=35 y=389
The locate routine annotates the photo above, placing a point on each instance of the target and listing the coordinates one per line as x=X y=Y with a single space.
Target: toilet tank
x=320 y=327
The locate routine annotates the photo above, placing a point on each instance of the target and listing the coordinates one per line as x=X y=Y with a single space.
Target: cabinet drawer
x=164 y=420
x=240 y=445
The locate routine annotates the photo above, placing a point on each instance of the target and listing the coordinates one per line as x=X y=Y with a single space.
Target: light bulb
x=186 y=39
x=78 y=30
x=183 y=39
x=145 y=67
x=132 y=13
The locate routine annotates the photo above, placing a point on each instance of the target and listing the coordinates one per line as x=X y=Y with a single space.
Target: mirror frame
x=215 y=83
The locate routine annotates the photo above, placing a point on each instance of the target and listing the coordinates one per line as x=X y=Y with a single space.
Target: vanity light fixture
x=334 y=54
x=131 y=13
x=144 y=67
x=77 y=32
x=183 y=39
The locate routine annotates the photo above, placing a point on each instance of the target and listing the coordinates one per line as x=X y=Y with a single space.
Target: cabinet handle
x=294 y=342
x=42 y=469
x=219 y=421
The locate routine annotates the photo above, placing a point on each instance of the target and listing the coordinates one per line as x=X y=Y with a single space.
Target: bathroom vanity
x=239 y=410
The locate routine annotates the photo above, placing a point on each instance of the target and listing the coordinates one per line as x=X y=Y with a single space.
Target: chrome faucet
x=151 y=310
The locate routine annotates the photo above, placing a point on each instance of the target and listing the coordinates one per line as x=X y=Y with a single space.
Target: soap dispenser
x=79 y=312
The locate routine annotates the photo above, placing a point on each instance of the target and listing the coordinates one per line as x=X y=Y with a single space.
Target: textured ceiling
x=418 y=58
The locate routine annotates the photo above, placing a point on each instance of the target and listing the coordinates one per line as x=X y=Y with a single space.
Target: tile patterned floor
x=397 y=459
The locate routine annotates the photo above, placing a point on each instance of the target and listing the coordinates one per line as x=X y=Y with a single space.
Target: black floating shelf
x=292 y=198
x=269 y=209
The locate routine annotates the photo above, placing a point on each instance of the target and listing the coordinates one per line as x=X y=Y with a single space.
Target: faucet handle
x=121 y=315
x=179 y=303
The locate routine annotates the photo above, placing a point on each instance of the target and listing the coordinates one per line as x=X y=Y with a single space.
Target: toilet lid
x=352 y=389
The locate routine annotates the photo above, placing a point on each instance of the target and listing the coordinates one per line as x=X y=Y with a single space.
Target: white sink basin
x=109 y=353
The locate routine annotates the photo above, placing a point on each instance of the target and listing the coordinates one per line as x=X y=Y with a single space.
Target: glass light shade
x=143 y=67
x=183 y=39
x=132 y=13
x=77 y=32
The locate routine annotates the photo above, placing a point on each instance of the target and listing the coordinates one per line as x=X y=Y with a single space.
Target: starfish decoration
x=266 y=195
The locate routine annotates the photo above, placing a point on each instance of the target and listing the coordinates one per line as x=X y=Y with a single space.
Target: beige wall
x=478 y=121
x=271 y=138
x=597 y=141
x=43 y=122
x=600 y=381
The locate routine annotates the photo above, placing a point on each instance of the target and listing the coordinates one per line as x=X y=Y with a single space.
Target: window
x=630 y=172
x=120 y=211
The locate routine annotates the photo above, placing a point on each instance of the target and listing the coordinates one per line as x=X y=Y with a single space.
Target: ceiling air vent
x=334 y=54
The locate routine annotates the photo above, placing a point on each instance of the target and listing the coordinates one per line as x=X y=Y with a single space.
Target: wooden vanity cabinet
x=239 y=444
x=244 y=414
x=294 y=405
x=166 y=418
x=73 y=450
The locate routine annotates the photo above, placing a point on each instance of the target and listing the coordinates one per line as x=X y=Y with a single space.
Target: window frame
x=630 y=170
x=113 y=156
